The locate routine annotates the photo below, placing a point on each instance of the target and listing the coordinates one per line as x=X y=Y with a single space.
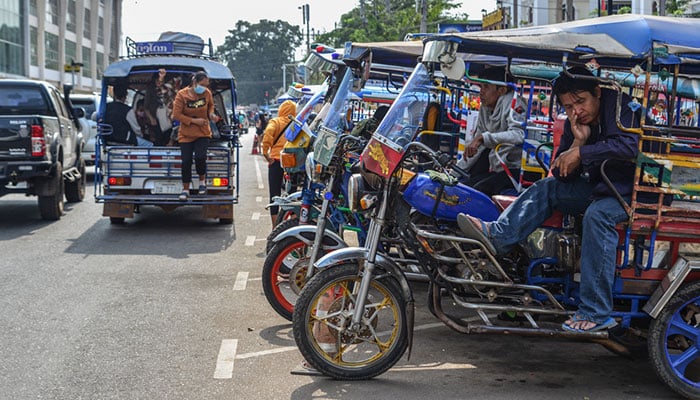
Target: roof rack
x=171 y=44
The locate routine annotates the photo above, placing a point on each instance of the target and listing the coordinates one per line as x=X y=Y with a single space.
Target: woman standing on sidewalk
x=272 y=143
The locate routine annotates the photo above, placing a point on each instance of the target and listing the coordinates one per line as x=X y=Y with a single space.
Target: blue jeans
x=598 y=243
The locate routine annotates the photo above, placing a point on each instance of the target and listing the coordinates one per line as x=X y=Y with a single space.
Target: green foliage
x=255 y=53
x=380 y=23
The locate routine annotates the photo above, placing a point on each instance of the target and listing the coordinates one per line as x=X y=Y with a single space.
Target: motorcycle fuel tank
x=422 y=193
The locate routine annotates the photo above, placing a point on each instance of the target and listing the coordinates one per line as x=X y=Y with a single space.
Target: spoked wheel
x=284 y=274
x=674 y=342
x=323 y=318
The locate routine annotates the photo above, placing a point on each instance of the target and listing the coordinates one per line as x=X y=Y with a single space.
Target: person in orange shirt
x=194 y=108
x=272 y=144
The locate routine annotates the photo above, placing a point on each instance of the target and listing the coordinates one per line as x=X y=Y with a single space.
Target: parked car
x=90 y=103
x=40 y=145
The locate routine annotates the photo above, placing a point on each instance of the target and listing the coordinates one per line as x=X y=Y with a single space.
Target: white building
x=38 y=38
x=544 y=12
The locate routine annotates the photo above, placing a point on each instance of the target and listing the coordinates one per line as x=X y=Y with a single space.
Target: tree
x=385 y=20
x=256 y=53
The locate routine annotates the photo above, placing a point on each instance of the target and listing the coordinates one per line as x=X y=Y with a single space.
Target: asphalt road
x=170 y=306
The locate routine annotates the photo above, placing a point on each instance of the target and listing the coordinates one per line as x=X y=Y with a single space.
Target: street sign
x=71 y=68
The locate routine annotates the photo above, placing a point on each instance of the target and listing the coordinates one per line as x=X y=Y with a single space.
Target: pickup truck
x=41 y=145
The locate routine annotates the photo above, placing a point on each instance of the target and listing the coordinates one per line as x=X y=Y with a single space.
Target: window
x=71 y=54
x=70 y=18
x=99 y=64
x=86 y=62
x=101 y=30
x=86 y=24
x=33 y=46
x=32 y=8
x=51 y=46
x=11 y=40
x=52 y=12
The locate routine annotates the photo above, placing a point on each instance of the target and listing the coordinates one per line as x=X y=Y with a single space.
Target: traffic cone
x=255 y=145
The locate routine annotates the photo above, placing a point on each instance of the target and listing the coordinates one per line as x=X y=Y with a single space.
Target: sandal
x=609 y=323
x=183 y=196
x=470 y=229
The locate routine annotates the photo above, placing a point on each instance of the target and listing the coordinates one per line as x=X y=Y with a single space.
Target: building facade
x=40 y=38
x=522 y=13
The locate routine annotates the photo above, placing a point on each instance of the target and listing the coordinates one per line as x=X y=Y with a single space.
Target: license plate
x=167 y=188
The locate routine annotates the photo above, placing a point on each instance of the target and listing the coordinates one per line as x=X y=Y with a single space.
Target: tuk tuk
x=129 y=176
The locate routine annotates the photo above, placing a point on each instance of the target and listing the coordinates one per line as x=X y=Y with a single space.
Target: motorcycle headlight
x=356 y=189
x=310 y=166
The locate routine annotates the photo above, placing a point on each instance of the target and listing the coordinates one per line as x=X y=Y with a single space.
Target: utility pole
x=305 y=17
x=422 y=6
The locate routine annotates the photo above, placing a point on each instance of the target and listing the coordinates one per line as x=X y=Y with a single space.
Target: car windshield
x=404 y=118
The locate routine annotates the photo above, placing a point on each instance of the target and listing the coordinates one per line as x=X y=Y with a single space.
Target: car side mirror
x=78 y=112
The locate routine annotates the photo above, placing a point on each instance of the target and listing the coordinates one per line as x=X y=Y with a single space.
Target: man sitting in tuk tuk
x=591 y=136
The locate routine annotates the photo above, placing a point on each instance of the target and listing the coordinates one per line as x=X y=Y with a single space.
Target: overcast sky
x=144 y=20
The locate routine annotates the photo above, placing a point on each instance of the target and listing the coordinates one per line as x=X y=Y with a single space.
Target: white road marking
x=258 y=199
x=250 y=240
x=224 y=362
x=256 y=216
x=258 y=174
x=255 y=279
x=418 y=328
x=241 y=280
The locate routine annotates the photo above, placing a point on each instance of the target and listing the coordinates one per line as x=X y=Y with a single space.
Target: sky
x=144 y=20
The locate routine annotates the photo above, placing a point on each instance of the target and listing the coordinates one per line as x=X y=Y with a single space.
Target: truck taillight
x=38 y=141
x=219 y=182
x=119 y=181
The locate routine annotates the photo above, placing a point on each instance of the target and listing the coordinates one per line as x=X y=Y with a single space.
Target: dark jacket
x=115 y=115
x=607 y=141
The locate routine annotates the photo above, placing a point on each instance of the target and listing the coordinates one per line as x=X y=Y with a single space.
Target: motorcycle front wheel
x=323 y=318
x=674 y=342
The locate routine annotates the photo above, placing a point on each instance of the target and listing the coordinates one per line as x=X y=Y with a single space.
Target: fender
x=360 y=253
x=306 y=233
x=670 y=284
x=292 y=199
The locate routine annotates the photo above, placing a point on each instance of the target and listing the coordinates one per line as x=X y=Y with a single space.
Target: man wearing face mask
x=194 y=108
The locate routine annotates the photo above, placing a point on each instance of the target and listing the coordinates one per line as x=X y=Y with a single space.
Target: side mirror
x=93 y=117
x=78 y=112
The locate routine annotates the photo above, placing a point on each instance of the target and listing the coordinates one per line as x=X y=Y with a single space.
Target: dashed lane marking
x=224 y=362
x=256 y=216
x=250 y=240
x=241 y=280
x=258 y=174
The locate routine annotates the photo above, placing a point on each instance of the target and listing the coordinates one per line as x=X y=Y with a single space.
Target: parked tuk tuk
x=129 y=176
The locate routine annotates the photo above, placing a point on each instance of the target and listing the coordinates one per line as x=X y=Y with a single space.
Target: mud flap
x=118 y=210
x=224 y=211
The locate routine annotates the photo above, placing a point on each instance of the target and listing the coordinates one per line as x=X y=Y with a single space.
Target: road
x=170 y=306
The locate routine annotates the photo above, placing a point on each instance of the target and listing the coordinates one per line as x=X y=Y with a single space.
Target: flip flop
x=609 y=323
x=472 y=231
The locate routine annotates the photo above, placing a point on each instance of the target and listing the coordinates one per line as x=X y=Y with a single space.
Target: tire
x=51 y=207
x=674 y=342
x=75 y=191
x=116 y=220
x=279 y=228
x=290 y=255
x=382 y=338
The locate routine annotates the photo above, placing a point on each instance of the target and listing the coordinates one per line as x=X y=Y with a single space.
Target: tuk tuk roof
x=123 y=68
x=618 y=40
